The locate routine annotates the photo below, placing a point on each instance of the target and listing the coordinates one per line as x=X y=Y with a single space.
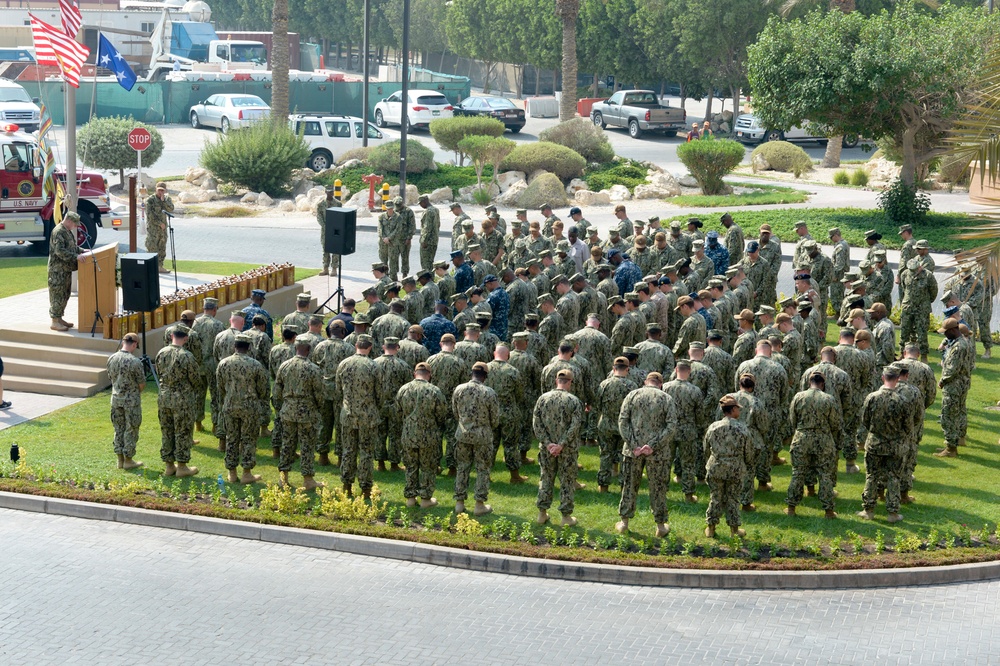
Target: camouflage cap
x=424 y=273
x=800 y=224
x=475 y=328
x=745 y=315
x=390 y=341
x=787 y=302
x=653 y=327
x=448 y=338
x=632 y=296
x=696 y=344
x=833 y=231
x=872 y=234
x=244 y=338
x=521 y=335
x=397 y=202
x=544 y=254
x=728 y=401
x=380 y=266
x=764 y=311
x=906 y=227
x=362 y=319
x=714 y=334
x=460 y=296
x=484 y=317
x=475 y=247
x=947 y=295
x=521 y=211
x=422 y=367
x=629 y=351
x=531 y=318
x=922 y=245
x=890 y=372
x=613 y=301
x=304 y=297
x=71 y=217
x=306 y=341
x=683 y=364
x=468 y=224
x=441 y=264
x=863 y=335
x=210 y=303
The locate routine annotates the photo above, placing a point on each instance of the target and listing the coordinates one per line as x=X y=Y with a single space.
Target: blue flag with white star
x=108 y=57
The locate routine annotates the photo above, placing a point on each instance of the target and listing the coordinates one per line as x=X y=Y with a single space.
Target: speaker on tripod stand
x=340 y=235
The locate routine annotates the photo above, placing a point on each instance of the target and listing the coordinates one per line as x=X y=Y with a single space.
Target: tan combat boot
x=67 y=324
x=710 y=531
x=170 y=470
x=662 y=530
x=411 y=501
x=543 y=517
x=907 y=498
x=894 y=517
x=249 y=476
x=459 y=506
x=568 y=520
x=311 y=483
x=380 y=466
x=580 y=485
x=602 y=489
x=622 y=526
x=57 y=325
x=776 y=460
x=516 y=478
x=131 y=464
x=947 y=452
x=525 y=460
x=428 y=503
x=748 y=508
x=737 y=531
x=851 y=467
x=199 y=426
x=789 y=510
x=867 y=515
x=831 y=514
x=275 y=452
x=121 y=461
x=987 y=354
x=233 y=477
x=348 y=490
x=482 y=508
x=451 y=471
x=395 y=467
x=810 y=491
x=183 y=470
x=691 y=499
x=222 y=444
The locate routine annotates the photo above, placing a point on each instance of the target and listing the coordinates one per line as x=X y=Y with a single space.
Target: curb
x=508 y=564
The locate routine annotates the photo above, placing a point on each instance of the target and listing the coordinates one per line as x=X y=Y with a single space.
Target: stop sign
x=139 y=139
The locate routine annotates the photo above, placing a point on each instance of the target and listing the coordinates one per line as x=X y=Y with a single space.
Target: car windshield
x=432 y=100
x=249 y=100
x=500 y=103
x=14 y=94
x=640 y=98
x=249 y=53
x=17 y=157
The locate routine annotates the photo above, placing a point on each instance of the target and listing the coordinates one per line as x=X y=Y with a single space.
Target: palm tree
x=975 y=139
x=567 y=11
x=279 y=63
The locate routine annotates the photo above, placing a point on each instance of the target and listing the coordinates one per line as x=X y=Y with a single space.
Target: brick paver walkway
x=78 y=591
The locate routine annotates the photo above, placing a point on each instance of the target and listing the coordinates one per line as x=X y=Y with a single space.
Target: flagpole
x=70 y=147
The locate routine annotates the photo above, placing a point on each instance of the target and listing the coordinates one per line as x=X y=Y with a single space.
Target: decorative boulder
x=759 y=163
x=264 y=200
x=665 y=182
x=209 y=183
x=650 y=192
x=535 y=174
x=188 y=197
x=588 y=198
x=350 y=164
x=286 y=206
x=249 y=198
x=513 y=194
x=410 y=199
x=302 y=204
x=195 y=175
x=619 y=193
x=508 y=178
x=360 y=199
x=440 y=195
x=465 y=193
x=575 y=186
x=687 y=180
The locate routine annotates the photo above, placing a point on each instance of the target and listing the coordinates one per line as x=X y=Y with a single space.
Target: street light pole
x=367 y=73
x=405 y=120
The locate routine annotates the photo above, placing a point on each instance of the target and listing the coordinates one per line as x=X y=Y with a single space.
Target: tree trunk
x=567 y=11
x=831 y=158
x=279 y=63
x=538 y=82
x=597 y=84
x=683 y=93
x=908 y=171
x=708 y=105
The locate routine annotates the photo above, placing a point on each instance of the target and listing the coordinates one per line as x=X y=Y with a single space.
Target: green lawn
x=75 y=443
x=22 y=275
x=760 y=196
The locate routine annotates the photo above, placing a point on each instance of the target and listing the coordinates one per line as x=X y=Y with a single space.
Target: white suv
x=424 y=106
x=330 y=136
x=17 y=107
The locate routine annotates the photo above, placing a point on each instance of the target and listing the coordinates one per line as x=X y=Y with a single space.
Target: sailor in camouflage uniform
x=299 y=320
x=425 y=411
x=328 y=355
x=279 y=354
x=610 y=396
x=557 y=420
x=477 y=413
x=180 y=379
x=357 y=377
x=208 y=327
x=772 y=391
x=297 y=394
x=690 y=403
x=815 y=417
x=393 y=372
x=128 y=380
x=648 y=423
x=448 y=370
x=531 y=376
x=728 y=448
x=956 y=369
x=922 y=378
x=244 y=389
x=507 y=383
x=884 y=415
x=64 y=258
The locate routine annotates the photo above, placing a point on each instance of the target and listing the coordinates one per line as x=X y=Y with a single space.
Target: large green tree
x=903 y=75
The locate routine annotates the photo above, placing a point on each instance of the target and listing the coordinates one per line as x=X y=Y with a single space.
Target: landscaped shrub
x=784 y=156
x=449 y=131
x=584 y=137
x=385 y=158
x=841 y=177
x=903 y=204
x=260 y=158
x=626 y=172
x=709 y=160
x=955 y=170
x=560 y=160
x=546 y=188
x=859 y=178
x=103 y=144
x=359 y=153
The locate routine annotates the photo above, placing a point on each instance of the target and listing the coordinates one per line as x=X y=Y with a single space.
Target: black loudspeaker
x=341 y=228
x=140 y=282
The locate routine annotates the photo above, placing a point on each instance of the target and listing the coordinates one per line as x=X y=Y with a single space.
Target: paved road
x=96 y=592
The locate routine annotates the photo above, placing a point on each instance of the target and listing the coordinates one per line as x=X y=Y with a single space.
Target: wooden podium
x=98 y=294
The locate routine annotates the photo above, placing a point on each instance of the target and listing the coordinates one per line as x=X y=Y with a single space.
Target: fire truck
x=25 y=215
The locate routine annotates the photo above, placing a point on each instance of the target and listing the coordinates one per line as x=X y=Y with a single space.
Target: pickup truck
x=750 y=131
x=640 y=111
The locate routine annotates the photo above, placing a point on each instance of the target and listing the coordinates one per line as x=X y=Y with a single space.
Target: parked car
x=17 y=107
x=749 y=130
x=423 y=106
x=640 y=111
x=228 y=111
x=331 y=135
x=501 y=108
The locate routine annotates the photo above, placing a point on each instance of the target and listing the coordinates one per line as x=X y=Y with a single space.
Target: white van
x=17 y=107
x=331 y=135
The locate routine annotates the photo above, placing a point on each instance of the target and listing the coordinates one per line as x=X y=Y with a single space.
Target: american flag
x=48 y=159
x=55 y=47
x=72 y=19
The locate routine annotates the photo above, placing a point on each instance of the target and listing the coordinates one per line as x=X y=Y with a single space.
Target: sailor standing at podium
x=158 y=205
x=64 y=258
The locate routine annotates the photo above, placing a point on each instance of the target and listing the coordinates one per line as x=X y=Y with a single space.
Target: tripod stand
x=147 y=363
x=97 y=307
x=338 y=292
x=173 y=249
